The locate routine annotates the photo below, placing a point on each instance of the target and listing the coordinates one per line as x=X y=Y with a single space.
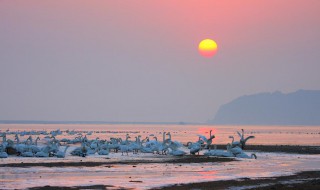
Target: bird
x=207 y=141
x=244 y=155
x=103 y=149
x=234 y=143
x=3 y=154
x=243 y=140
x=177 y=152
x=42 y=154
x=220 y=153
x=61 y=154
x=124 y=145
x=194 y=147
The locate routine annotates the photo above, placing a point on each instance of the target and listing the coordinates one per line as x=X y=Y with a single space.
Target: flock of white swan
x=58 y=147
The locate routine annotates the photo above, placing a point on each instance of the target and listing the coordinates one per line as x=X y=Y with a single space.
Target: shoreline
x=291 y=149
x=294 y=149
x=306 y=179
x=303 y=180
x=170 y=160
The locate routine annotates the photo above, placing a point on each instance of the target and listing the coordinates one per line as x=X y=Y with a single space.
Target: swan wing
x=250 y=137
x=240 y=135
x=203 y=137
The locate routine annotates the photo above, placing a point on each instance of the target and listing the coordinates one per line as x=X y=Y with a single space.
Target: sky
x=138 y=60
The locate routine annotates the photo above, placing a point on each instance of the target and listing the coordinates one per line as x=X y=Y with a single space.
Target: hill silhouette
x=298 y=108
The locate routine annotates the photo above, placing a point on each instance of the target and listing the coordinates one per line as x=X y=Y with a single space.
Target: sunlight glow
x=208 y=48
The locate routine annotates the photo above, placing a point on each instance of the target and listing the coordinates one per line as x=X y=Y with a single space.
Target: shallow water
x=145 y=176
x=265 y=135
x=154 y=175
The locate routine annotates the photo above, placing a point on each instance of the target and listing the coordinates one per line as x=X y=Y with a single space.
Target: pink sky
x=138 y=60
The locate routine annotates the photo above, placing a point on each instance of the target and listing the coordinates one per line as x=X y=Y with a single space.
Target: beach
x=278 y=160
x=283 y=179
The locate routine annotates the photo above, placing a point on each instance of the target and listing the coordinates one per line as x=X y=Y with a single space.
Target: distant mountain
x=298 y=108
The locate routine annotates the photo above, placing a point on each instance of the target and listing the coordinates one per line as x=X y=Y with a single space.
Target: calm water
x=155 y=175
x=266 y=135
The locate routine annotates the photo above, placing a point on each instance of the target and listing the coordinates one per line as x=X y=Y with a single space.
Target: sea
x=153 y=175
x=264 y=135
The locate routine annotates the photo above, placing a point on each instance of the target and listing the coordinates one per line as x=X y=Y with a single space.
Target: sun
x=208 y=48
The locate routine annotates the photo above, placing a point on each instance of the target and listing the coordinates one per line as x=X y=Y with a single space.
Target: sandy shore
x=172 y=160
x=97 y=187
x=163 y=159
x=282 y=148
x=295 y=149
x=304 y=180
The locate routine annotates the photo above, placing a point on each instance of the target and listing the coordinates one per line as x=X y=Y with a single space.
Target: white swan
x=80 y=151
x=104 y=149
x=194 y=147
x=42 y=154
x=162 y=147
x=176 y=152
x=27 y=154
x=234 y=143
x=124 y=146
x=243 y=140
x=239 y=153
x=236 y=150
x=208 y=141
x=61 y=154
x=244 y=155
x=136 y=146
x=220 y=153
x=3 y=154
x=34 y=147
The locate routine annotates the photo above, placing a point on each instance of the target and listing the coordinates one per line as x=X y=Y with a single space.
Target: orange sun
x=208 y=48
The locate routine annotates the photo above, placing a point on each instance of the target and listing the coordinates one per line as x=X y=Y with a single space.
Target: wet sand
x=296 y=149
x=172 y=160
x=79 y=188
x=283 y=148
x=304 y=180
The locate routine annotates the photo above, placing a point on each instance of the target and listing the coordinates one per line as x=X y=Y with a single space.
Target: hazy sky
x=137 y=60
